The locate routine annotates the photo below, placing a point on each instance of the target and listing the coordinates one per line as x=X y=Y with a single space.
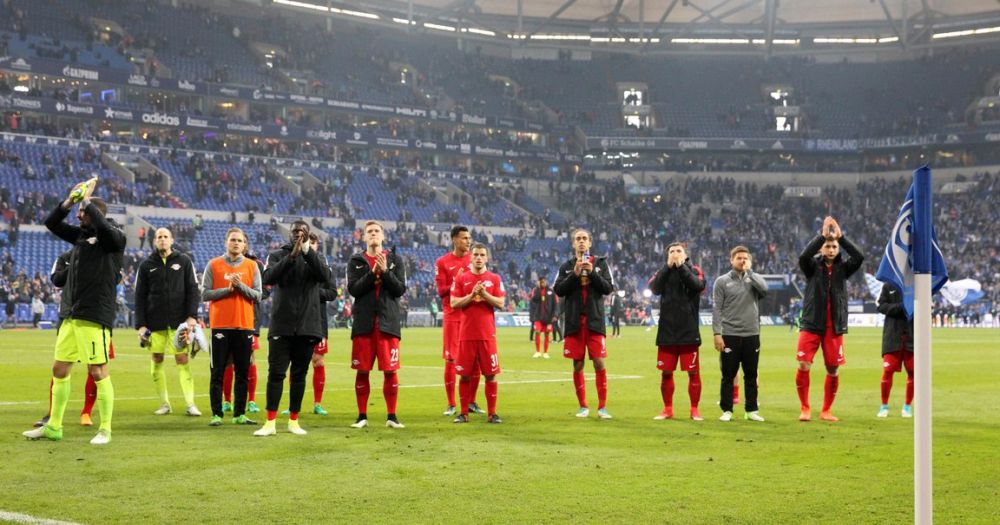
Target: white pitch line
x=436 y=385
x=27 y=518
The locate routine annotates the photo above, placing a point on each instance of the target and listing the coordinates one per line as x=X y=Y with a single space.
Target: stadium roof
x=688 y=26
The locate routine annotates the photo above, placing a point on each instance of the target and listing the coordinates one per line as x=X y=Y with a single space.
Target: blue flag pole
x=922 y=251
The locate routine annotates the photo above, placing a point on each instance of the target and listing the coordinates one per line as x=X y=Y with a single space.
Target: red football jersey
x=445 y=269
x=478 y=322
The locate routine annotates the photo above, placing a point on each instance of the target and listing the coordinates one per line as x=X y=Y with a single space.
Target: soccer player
x=477 y=293
x=543 y=310
x=616 y=313
x=94 y=270
x=58 y=275
x=295 y=272
x=824 y=311
x=327 y=293
x=446 y=268
x=376 y=279
x=583 y=281
x=736 y=327
x=897 y=347
x=231 y=285
x=679 y=283
x=166 y=294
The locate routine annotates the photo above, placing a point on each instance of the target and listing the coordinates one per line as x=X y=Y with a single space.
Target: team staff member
x=477 y=294
x=85 y=335
x=736 y=326
x=446 y=268
x=679 y=285
x=542 y=311
x=897 y=347
x=227 y=378
x=824 y=311
x=376 y=279
x=231 y=285
x=583 y=281
x=166 y=294
x=295 y=272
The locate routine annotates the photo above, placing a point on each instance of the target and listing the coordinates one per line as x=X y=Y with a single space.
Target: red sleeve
x=441 y=278
x=455 y=289
x=501 y=292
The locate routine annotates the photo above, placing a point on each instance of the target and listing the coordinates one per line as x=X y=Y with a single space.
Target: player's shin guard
x=227 y=384
x=602 y=388
x=251 y=381
x=491 y=397
x=105 y=402
x=802 y=386
x=390 y=389
x=830 y=391
x=319 y=381
x=694 y=388
x=581 y=388
x=449 y=382
x=909 y=387
x=886 y=385
x=187 y=382
x=159 y=380
x=60 y=398
x=362 y=389
x=89 y=396
x=667 y=390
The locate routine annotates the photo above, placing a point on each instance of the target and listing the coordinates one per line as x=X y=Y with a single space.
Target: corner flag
x=904 y=253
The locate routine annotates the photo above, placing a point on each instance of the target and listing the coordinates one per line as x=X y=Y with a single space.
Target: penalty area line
x=16 y=517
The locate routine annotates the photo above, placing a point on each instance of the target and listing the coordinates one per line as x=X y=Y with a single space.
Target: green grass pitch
x=541 y=466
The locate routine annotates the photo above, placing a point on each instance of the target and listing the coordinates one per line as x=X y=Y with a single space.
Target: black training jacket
x=295 y=291
x=817 y=284
x=680 y=293
x=568 y=286
x=361 y=286
x=166 y=293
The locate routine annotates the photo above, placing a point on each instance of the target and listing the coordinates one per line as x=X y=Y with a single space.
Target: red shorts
x=321 y=347
x=478 y=355
x=366 y=348
x=575 y=345
x=667 y=357
x=256 y=343
x=894 y=362
x=833 y=347
x=449 y=347
x=540 y=327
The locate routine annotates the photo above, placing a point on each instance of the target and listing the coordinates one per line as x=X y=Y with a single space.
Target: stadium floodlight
x=404 y=21
x=439 y=27
x=477 y=31
x=777 y=42
x=560 y=37
x=709 y=40
x=359 y=14
x=303 y=5
x=849 y=40
x=967 y=32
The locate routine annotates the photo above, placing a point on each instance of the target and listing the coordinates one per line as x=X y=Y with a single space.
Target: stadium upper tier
x=713 y=97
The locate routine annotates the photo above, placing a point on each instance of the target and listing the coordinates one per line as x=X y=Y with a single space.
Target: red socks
x=830 y=391
x=602 y=388
x=293 y=416
x=546 y=343
x=227 y=384
x=251 y=381
x=694 y=388
x=667 y=390
x=802 y=385
x=319 y=379
x=475 y=385
x=736 y=393
x=361 y=390
x=491 y=397
x=390 y=389
x=538 y=342
x=909 y=387
x=90 y=396
x=581 y=388
x=449 y=382
x=272 y=415
x=467 y=391
x=887 y=386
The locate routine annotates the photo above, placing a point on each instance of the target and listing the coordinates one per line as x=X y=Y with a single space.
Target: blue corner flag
x=913 y=247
